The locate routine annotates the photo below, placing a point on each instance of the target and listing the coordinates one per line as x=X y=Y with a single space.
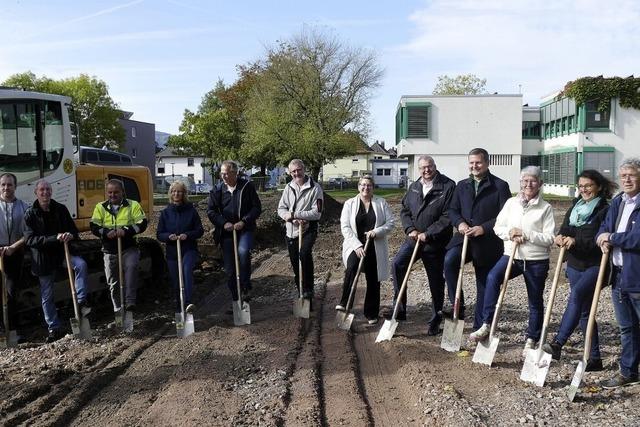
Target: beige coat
x=384 y=224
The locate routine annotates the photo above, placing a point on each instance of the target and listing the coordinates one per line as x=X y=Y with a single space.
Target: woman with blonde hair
x=180 y=221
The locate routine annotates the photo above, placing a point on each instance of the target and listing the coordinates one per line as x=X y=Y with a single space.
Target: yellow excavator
x=38 y=139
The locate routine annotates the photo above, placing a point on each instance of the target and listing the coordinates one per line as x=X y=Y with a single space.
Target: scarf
x=582 y=211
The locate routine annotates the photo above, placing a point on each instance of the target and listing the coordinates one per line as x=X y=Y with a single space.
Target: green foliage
x=602 y=90
x=462 y=84
x=96 y=113
x=310 y=100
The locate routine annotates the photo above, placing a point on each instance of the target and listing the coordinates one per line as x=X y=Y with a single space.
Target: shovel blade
x=387 y=330
x=486 y=350
x=301 y=308
x=452 y=335
x=344 y=320
x=241 y=313
x=75 y=327
x=128 y=321
x=577 y=381
x=184 y=325
x=535 y=367
x=10 y=341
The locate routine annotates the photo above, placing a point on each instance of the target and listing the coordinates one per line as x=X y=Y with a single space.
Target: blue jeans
x=189 y=260
x=245 y=244
x=433 y=265
x=583 y=285
x=46 y=291
x=627 y=309
x=451 y=272
x=535 y=274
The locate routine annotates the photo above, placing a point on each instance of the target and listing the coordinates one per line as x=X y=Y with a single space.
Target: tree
x=310 y=99
x=463 y=84
x=96 y=113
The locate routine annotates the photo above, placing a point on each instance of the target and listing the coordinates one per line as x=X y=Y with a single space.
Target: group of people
x=46 y=227
x=479 y=207
x=497 y=225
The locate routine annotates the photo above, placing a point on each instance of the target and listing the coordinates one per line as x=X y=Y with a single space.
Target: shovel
x=241 y=313
x=453 y=328
x=536 y=364
x=577 y=377
x=345 y=318
x=301 y=306
x=124 y=318
x=79 y=324
x=389 y=326
x=486 y=350
x=184 y=321
x=10 y=338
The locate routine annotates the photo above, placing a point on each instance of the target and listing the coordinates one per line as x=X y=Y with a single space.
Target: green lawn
x=350 y=192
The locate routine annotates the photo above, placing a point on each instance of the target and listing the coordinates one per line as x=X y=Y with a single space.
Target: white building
x=389 y=173
x=448 y=127
x=171 y=163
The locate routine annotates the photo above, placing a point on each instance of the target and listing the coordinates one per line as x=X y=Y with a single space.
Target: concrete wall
x=143 y=144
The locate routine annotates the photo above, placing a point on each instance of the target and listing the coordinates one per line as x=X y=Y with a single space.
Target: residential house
x=173 y=163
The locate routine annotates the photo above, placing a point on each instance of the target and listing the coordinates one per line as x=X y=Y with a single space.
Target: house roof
x=377 y=148
x=171 y=152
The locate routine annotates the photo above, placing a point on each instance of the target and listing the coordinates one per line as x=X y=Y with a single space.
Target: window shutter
x=418 y=121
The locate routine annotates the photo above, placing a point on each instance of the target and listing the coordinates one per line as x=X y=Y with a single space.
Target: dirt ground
x=286 y=371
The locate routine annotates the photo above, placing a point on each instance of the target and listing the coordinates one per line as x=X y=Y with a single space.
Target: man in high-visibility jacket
x=119 y=217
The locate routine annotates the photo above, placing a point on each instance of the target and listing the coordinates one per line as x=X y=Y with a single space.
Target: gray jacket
x=305 y=203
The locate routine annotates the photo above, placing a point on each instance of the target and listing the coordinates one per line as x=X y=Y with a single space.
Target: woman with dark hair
x=577 y=234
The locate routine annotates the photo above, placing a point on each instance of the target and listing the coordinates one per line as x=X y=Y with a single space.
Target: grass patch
x=352 y=192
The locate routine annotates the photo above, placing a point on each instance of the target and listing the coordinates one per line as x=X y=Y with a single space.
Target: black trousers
x=13 y=273
x=306 y=255
x=370 y=270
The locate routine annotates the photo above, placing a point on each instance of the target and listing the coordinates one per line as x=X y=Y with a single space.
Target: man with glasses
x=425 y=222
x=476 y=202
x=619 y=235
x=301 y=207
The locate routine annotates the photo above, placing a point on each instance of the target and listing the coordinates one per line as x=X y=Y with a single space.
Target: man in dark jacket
x=619 y=234
x=476 y=202
x=424 y=220
x=47 y=224
x=234 y=205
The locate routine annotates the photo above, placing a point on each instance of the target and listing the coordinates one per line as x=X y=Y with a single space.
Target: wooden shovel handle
x=503 y=289
x=235 y=255
x=463 y=257
x=72 y=284
x=406 y=279
x=552 y=297
x=594 y=306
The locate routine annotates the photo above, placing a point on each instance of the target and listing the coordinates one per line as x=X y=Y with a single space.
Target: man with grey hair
x=301 y=207
x=47 y=225
x=619 y=235
x=12 y=212
x=425 y=222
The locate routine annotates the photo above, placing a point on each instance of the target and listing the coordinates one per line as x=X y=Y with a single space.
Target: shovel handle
x=121 y=280
x=5 y=300
x=180 y=275
x=406 y=279
x=237 y=263
x=463 y=257
x=503 y=290
x=72 y=284
x=300 y=276
x=552 y=297
x=355 y=280
x=594 y=306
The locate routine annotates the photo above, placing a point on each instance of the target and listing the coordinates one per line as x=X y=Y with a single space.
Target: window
x=417 y=122
x=596 y=119
x=531 y=130
x=133 y=132
x=131 y=190
x=403 y=171
x=190 y=161
x=556 y=118
x=355 y=174
x=161 y=170
x=559 y=168
x=602 y=161
x=377 y=157
x=354 y=160
x=379 y=172
x=501 y=159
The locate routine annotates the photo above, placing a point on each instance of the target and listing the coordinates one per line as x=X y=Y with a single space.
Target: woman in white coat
x=366 y=216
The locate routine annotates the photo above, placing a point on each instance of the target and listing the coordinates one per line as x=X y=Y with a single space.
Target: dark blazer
x=180 y=219
x=481 y=209
x=585 y=253
x=244 y=205
x=429 y=214
x=47 y=252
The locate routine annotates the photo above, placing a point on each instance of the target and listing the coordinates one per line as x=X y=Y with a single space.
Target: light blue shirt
x=628 y=204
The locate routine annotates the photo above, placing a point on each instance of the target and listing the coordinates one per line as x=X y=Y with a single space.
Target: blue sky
x=160 y=57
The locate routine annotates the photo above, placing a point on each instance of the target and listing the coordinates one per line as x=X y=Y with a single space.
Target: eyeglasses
x=526 y=182
x=585 y=186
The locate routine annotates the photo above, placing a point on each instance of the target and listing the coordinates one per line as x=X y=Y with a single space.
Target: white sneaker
x=372 y=321
x=340 y=307
x=481 y=334
x=530 y=344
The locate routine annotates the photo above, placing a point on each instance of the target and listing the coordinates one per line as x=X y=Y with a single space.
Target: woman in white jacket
x=366 y=216
x=527 y=220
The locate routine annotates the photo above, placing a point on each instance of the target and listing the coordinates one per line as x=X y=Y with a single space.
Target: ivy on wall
x=601 y=90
